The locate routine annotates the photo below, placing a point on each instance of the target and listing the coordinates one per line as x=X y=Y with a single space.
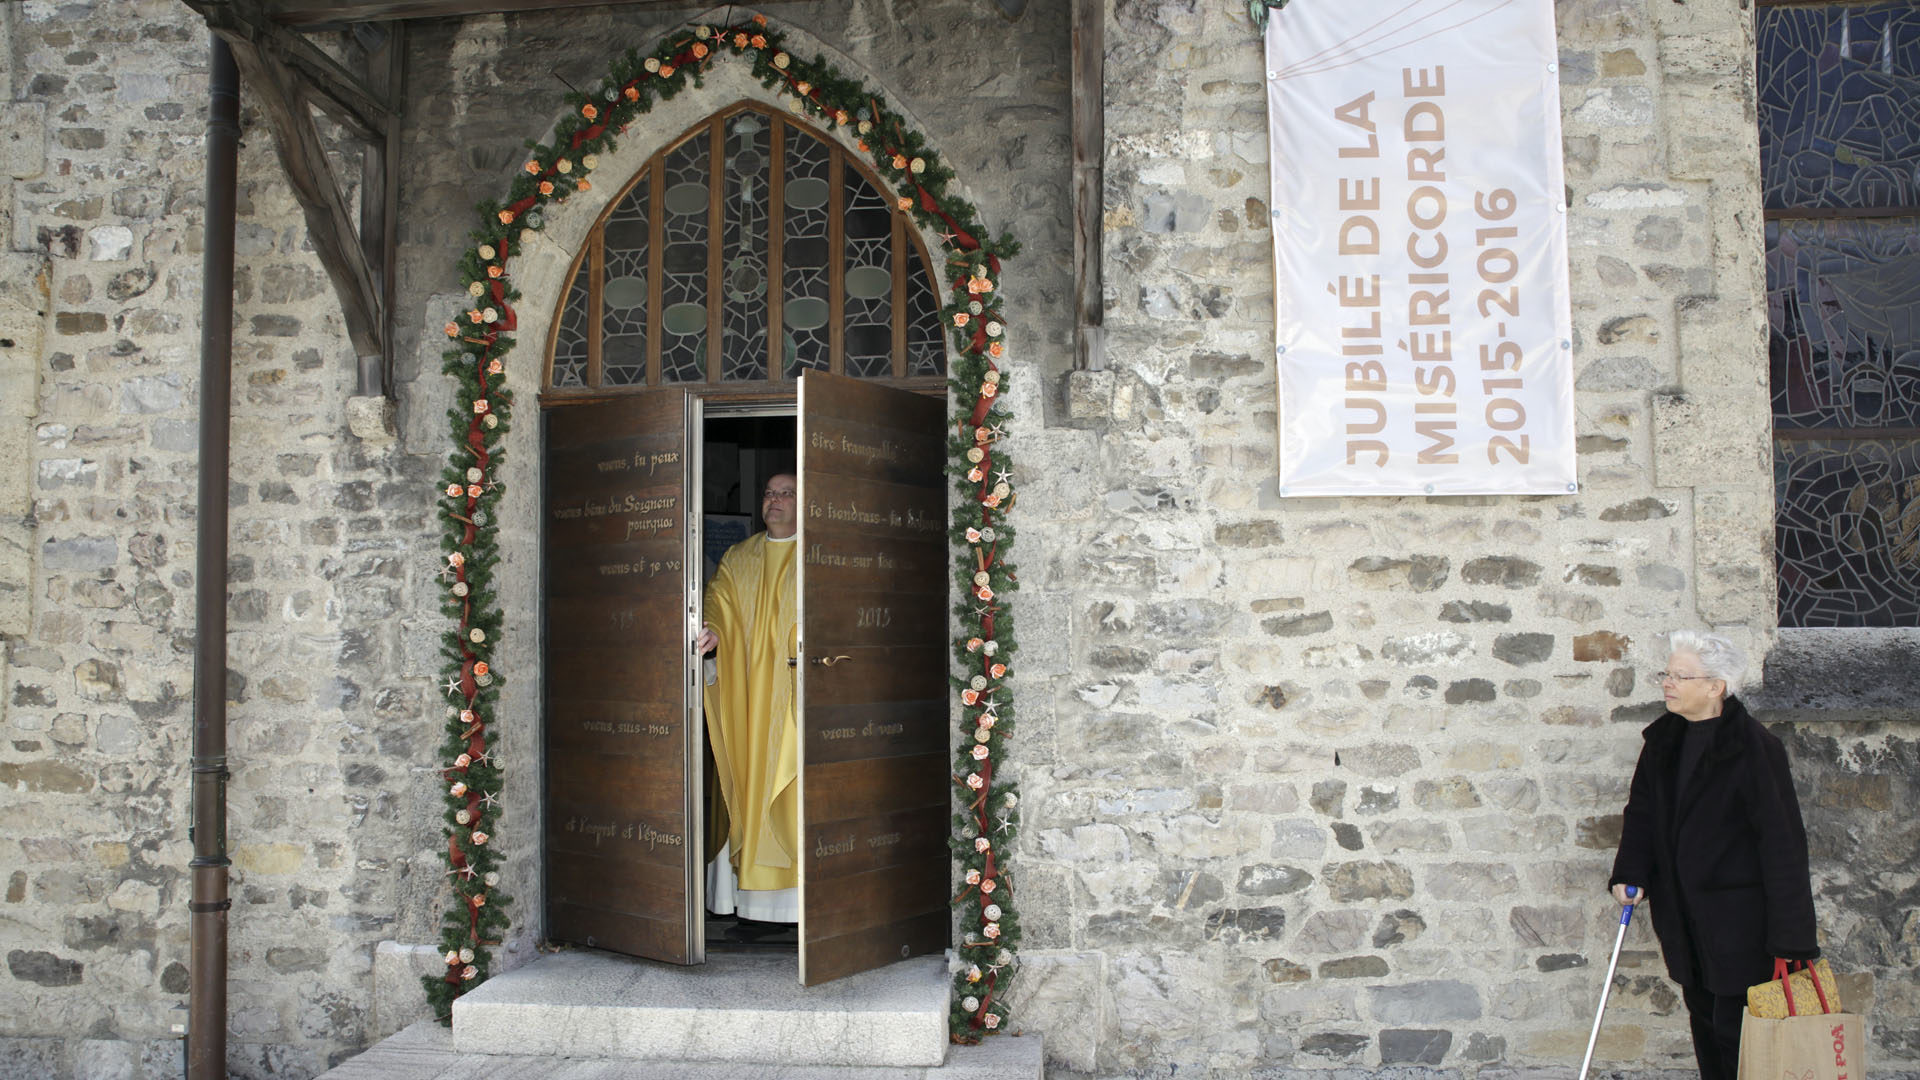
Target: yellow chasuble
x=750 y=720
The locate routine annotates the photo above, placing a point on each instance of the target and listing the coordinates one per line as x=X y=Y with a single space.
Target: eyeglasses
x=1663 y=676
x=787 y=495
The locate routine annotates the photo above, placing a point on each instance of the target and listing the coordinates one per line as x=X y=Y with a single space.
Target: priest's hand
x=707 y=641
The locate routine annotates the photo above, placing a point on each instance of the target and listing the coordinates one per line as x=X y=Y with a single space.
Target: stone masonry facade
x=1311 y=786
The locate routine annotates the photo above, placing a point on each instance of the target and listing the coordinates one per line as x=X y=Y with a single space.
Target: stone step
x=425 y=1051
x=737 y=1007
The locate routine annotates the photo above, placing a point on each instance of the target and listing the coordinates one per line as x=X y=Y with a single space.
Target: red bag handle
x=1780 y=968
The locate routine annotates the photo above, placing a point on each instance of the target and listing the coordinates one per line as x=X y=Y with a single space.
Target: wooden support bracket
x=289 y=77
x=343 y=95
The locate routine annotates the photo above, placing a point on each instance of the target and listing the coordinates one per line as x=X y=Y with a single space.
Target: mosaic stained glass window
x=1840 y=159
x=804 y=304
x=753 y=248
x=1839 y=105
x=622 y=246
x=743 y=321
x=570 y=342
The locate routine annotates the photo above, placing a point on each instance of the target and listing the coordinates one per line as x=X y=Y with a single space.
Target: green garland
x=987 y=818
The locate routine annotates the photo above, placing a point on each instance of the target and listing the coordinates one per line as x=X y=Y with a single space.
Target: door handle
x=828 y=661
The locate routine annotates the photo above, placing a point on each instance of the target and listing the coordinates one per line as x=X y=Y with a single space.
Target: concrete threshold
x=745 y=1007
x=425 y=1051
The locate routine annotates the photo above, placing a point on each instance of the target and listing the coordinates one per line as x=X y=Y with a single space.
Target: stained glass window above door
x=752 y=249
x=1840 y=173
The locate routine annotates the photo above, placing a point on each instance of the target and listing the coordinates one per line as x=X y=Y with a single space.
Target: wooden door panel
x=860 y=950
x=622 y=765
x=859 y=845
x=874 y=731
x=876 y=786
x=644 y=518
x=638 y=934
x=876 y=897
x=652 y=808
x=875 y=673
x=584 y=621
x=860 y=446
x=636 y=568
x=875 y=618
x=611 y=728
x=849 y=561
x=853 y=508
x=640 y=678
x=881 y=729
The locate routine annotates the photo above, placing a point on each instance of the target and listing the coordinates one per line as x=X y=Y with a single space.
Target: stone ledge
x=397 y=998
x=371 y=419
x=1854 y=674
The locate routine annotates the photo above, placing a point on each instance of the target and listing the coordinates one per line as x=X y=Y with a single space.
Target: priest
x=750 y=632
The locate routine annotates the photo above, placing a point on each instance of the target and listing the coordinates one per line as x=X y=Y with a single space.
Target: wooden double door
x=623 y=719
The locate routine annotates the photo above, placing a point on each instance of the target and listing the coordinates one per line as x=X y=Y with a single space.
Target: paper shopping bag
x=1822 y=1046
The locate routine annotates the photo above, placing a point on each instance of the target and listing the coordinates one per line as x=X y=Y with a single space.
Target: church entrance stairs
x=589 y=1015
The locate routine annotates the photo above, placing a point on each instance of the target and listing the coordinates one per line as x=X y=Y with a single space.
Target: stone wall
x=1326 y=784
x=334 y=591
x=1311 y=784
x=326 y=742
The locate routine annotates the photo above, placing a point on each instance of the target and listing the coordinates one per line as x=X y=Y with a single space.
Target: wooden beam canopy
x=315 y=13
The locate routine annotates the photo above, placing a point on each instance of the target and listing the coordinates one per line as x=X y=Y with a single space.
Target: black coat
x=1725 y=869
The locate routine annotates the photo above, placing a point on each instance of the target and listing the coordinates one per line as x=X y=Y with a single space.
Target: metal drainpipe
x=207 y=933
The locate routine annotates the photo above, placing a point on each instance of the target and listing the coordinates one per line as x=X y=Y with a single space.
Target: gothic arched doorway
x=751 y=269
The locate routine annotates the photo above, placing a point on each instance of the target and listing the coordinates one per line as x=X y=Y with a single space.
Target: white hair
x=1721 y=658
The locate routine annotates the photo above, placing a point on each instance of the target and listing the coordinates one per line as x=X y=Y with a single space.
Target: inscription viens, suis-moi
x=625 y=727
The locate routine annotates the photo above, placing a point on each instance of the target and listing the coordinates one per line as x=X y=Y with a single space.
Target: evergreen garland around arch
x=986 y=813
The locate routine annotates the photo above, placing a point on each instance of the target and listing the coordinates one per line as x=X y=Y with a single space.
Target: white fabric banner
x=1420 y=248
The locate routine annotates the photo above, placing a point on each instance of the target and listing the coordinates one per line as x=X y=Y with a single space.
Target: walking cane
x=1626 y=916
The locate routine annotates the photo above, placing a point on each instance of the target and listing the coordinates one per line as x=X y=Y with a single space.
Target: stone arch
x=541 y=273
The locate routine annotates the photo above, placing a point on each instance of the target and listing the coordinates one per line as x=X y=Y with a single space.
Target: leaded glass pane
x=743 y=315
x=623 y=291
x=1847 y=532
x=804 y=292
x=570 y=342
x=1839 y=105
x=658 y=297
x=868 y=224
x=1843 y=304
x=683 y=263
x=926 y=337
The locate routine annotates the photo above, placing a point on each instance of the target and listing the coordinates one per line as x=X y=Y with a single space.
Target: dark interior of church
x=738 y=455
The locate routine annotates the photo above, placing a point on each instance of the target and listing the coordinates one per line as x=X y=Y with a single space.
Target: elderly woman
x=1712 y=836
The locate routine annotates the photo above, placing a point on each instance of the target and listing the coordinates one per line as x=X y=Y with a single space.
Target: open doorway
x=626 y=493
x=740 y=456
